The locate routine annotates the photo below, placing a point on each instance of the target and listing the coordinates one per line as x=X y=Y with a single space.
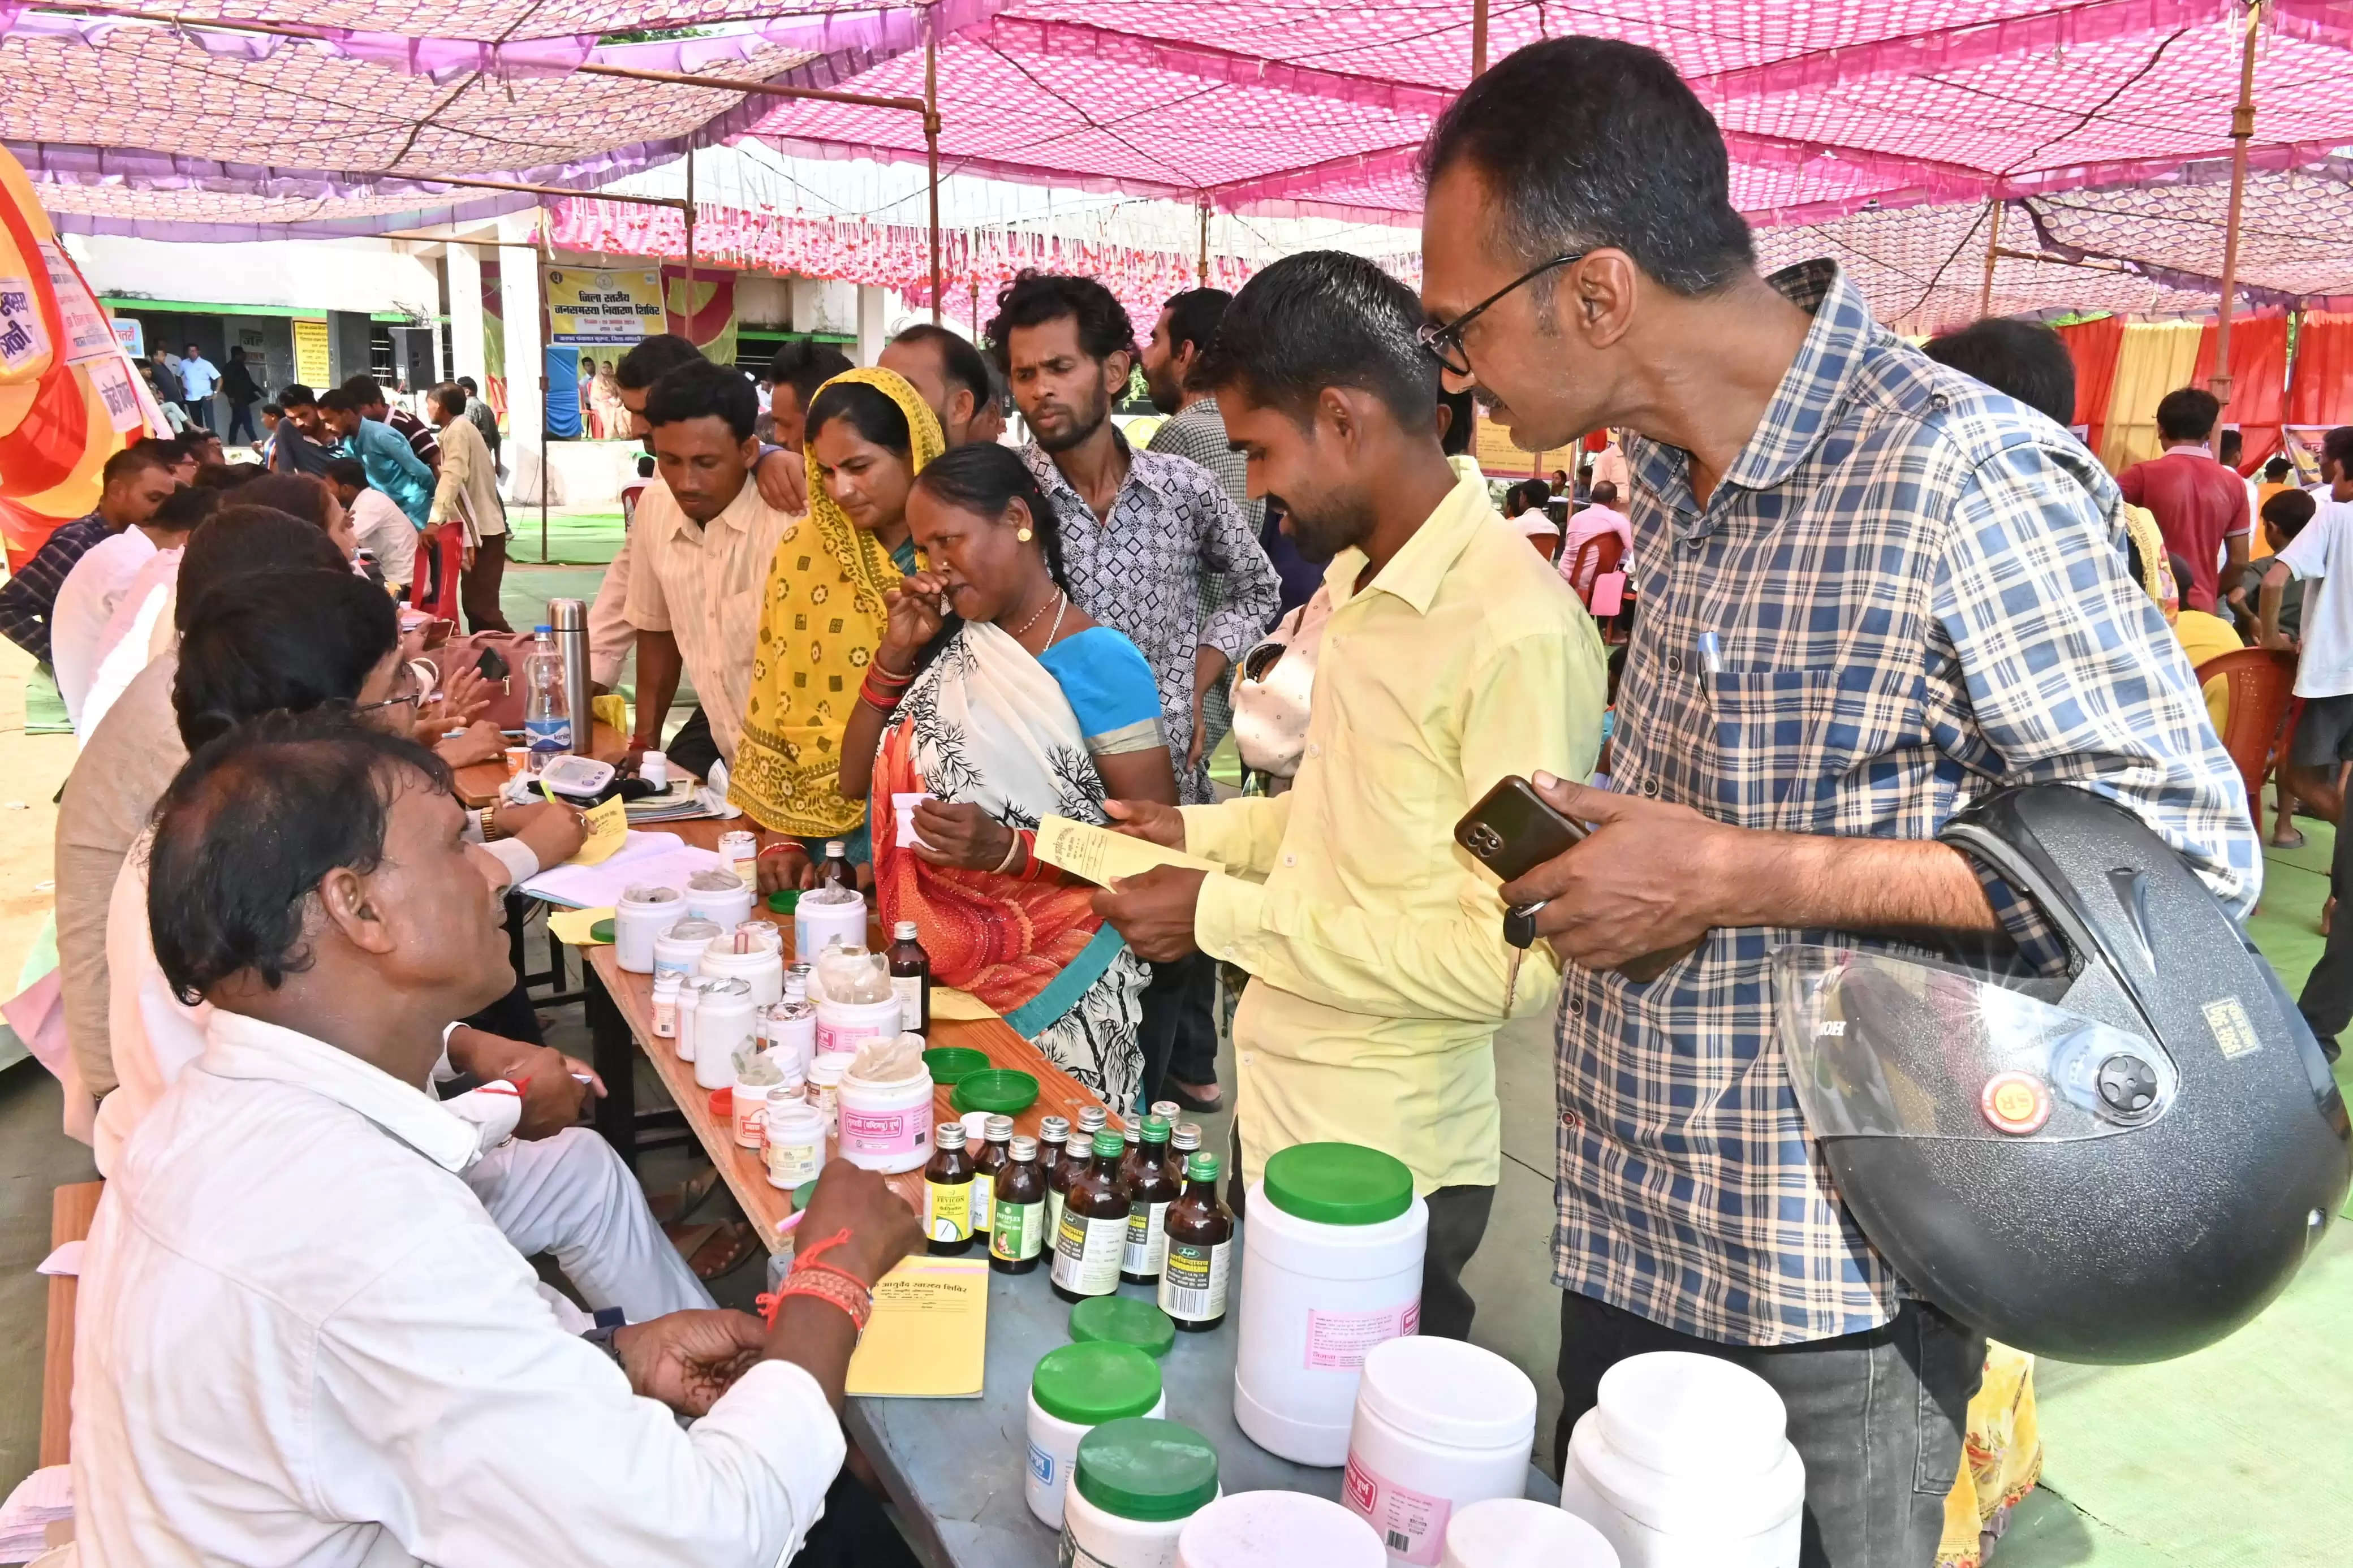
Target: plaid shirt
x=1920 y=591
x=1141 y=572
x=27 y=598
x=1198 y=431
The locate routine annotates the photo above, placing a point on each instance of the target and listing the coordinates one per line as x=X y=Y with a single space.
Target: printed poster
x=311 y=356
x=619 y=305
x=24 y=341
x=89 y=334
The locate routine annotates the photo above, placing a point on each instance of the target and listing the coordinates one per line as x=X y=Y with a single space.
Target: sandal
x=2294 y=841
x=1176 y=1091
x=723 y=1252
x=679 y=1204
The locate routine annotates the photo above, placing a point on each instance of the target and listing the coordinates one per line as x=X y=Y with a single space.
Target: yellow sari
x=821 y=618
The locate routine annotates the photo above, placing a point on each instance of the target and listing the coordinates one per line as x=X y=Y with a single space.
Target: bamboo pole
x=686 y=312
x=1478 y=38
x=931 y=149
x=1201 y=278
x=564 y=191
x=2243 y=131
x=1993 y=252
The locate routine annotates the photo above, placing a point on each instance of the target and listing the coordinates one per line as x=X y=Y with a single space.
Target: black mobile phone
x=492 y=665
x=1512 y=831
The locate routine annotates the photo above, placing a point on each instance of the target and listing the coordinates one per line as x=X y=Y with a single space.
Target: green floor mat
x=572 y=539
x=44 y=710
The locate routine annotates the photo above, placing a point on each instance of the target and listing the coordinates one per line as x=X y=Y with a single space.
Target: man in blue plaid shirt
x=1913 y=592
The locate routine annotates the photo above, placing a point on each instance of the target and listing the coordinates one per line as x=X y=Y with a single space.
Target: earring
x=1022 y=534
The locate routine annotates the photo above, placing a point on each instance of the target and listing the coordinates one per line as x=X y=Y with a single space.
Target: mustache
x=1485 y=399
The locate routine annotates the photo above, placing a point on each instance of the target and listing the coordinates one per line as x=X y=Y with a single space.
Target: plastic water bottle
x=546 y=713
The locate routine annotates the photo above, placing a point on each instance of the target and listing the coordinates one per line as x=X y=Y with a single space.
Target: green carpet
x=44 y=710
x=572 y=539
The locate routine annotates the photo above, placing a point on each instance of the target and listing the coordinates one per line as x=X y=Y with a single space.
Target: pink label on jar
x=1411 y=1524
x=1338 y=1341
x=881 y=1133
x=849 y=1036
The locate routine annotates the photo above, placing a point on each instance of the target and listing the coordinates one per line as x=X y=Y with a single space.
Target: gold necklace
x=1024 y=629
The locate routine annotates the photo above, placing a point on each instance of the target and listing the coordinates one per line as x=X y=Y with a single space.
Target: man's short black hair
x=185 y=508
x=1593 y=143
x=1034 y=298
x=1322 y=318
x=254 y=821
x=261 y=641
x=2025 y=359
x=652 y=359
x=348 y=471
x=2336 y=447
x=450 y=395
x=960 y=361
x=804 y=366
x=1193 y=317
x=339 y=400
x=305 y=495
x=222 y=477
x=703 y=391
x=273 y=410
x=1539 y=492
x=2289 y=510
x=240 y=539
x=1460 y=428
x=130 y=461
x=2277 y=471
x=364 y=389
x=2188 y=414
x=468 y=382
x=296 y=395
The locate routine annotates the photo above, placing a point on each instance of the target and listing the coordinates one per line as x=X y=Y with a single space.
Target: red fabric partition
x=2093 y=346
x=2322 y=393
x=2258 y=383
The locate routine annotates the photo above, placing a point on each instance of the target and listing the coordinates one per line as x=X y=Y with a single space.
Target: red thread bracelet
x=810 y=1277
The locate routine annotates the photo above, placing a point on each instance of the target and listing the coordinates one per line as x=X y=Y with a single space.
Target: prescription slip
x=1103 y=857
x=928 y=1338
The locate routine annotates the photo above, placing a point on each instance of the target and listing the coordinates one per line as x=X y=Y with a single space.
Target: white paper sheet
x=662 y=858
x=66 y=1259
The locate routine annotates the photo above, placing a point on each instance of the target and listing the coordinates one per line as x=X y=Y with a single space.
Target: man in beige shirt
x=701 y=548
x=467 y=491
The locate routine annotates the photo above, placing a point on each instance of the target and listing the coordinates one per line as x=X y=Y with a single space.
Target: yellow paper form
x=928 y=1338
x=1103 y=857
x=574 y=928
x=948 y=1002
x=606 y=827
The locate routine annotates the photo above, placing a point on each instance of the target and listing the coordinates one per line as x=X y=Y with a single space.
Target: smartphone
x=1512 y=830
x=493 y=666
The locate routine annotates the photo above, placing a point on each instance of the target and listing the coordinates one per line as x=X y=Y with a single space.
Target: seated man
x=300 y=1341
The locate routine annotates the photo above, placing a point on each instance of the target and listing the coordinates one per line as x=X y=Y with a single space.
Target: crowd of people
x=1870 y=586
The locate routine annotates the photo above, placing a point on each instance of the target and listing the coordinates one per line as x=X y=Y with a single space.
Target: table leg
x=615 y=1062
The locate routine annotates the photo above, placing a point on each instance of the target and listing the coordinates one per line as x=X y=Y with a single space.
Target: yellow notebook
x=928 y=1338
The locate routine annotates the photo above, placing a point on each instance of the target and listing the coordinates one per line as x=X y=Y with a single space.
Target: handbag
x=1272 y=688
x=507 y=693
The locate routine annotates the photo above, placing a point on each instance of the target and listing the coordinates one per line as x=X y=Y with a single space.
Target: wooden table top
x=743 y=1170
x=72 y=1208
x=480 y=784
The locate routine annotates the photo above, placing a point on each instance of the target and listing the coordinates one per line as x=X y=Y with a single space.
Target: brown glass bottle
x=1053 y=1132
x=1183 y=1138
x=910 y=978
x=1078 y=1157
x=1017 y=1234
x=1093 y=1231
x=1131 y=1158
x=1149 y=1191
x=986 y=1168
x=1200 y=1234
x=947 y=1192
x=834 y=870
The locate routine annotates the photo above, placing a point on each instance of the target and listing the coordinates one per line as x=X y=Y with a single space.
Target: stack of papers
x=655 y=859
x=681 y=801
x=40 y=1499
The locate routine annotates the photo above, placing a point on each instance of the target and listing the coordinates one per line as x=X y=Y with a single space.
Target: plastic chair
x=1596 y=559
x=2261 y=683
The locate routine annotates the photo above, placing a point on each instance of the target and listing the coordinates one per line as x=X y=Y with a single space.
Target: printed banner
x=619 y=306
x=311 y=357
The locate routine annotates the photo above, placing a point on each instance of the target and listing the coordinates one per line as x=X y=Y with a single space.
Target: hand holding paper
x=1103 y=857
x=605 y=827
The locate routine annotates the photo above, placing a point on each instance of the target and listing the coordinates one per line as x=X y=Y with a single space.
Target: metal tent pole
x=2243 y=131
x=931 y=147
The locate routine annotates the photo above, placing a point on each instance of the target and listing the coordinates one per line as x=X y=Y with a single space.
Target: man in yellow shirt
x=1453 y=657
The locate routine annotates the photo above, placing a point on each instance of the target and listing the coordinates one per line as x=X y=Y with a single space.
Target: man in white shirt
x=301 y=1340
x=382 y=529
x=96 y=585
x=1603 y=516
x=199 y=378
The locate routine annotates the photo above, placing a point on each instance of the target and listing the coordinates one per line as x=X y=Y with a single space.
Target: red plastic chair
x=2262 y=680
x=447 y=542
x=1596 y=559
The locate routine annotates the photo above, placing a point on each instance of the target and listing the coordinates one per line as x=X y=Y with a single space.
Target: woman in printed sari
x=993 y=694
x=605 y=401
x=822 y=617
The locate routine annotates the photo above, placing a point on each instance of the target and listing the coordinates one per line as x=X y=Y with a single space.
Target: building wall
x=362 y=276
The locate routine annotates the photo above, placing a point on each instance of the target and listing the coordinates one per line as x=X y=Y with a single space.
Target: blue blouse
x=1111 y=690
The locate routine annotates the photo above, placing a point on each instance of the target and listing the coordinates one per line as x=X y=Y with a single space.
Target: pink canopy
x=1876 y=130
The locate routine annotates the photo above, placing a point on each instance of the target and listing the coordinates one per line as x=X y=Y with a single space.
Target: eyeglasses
x=1444 y=342
x=416 y=683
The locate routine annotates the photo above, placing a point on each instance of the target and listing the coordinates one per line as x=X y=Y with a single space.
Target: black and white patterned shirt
x=1142 y=572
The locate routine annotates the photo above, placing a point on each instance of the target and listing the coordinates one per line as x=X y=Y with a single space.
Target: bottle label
x=1018 y=1231
x=984 y=1202
x=1071 y=1554
x=1339 y=1341
x=1087 y=1253
x=1053 y=1214
x=909 y=988
x=886 y=1132
x=1147 y=1240
x=1192 y=1280
x=947 y=1210
x=547 y=734
x=1411 y=1524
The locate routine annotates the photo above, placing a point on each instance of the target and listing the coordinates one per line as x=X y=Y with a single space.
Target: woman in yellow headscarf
x=822 y=615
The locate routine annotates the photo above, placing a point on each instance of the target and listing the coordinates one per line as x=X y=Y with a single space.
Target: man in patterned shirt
x=1148 y=540
x=134 y=483
x=1913 y=595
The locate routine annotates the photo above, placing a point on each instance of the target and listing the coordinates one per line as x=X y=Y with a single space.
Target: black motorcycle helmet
x=2119 y=1166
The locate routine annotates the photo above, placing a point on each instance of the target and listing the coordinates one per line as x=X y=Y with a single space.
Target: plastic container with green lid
x=1136 y=1483
x=1075 y=1389
x=784 y=900
x=952 y=1064
x=1331 y=1268
x=1123 y=1320
x=1001 y=1091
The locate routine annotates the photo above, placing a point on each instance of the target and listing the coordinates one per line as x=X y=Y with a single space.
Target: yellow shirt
x=2205 y=637
x=1374 y=943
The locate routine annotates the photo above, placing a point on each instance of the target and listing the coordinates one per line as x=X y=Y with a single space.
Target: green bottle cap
x=1338 y=1183
x=1155 y=1130
x=784 y=900
x=1109 y=1145
x=1202 y=1167
x=1095 y=1382
x=1146 y=1470
x=1123 y=1320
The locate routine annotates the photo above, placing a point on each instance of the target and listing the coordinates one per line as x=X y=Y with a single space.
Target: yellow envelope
x=1103 y=857
x=928 y=1338
x=571 y=927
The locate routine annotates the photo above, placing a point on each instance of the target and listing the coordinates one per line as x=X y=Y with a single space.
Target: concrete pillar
x=466 y=353
x=519 y=312
x=873 y=317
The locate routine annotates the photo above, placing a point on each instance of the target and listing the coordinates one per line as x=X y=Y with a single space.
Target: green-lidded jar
x=1075 y=1389
x=1338 y=1183
x=1120 y=1320
x=1137 y=1482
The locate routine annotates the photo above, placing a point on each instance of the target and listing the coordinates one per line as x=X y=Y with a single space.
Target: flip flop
x=1190 y=1102
x=679 y=1203
x=2295 y=842
x=723 y=1252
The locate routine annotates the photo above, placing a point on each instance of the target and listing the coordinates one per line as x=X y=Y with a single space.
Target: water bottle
x=547 y=711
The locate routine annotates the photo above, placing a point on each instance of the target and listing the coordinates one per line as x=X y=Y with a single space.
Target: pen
x=1711 y=662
